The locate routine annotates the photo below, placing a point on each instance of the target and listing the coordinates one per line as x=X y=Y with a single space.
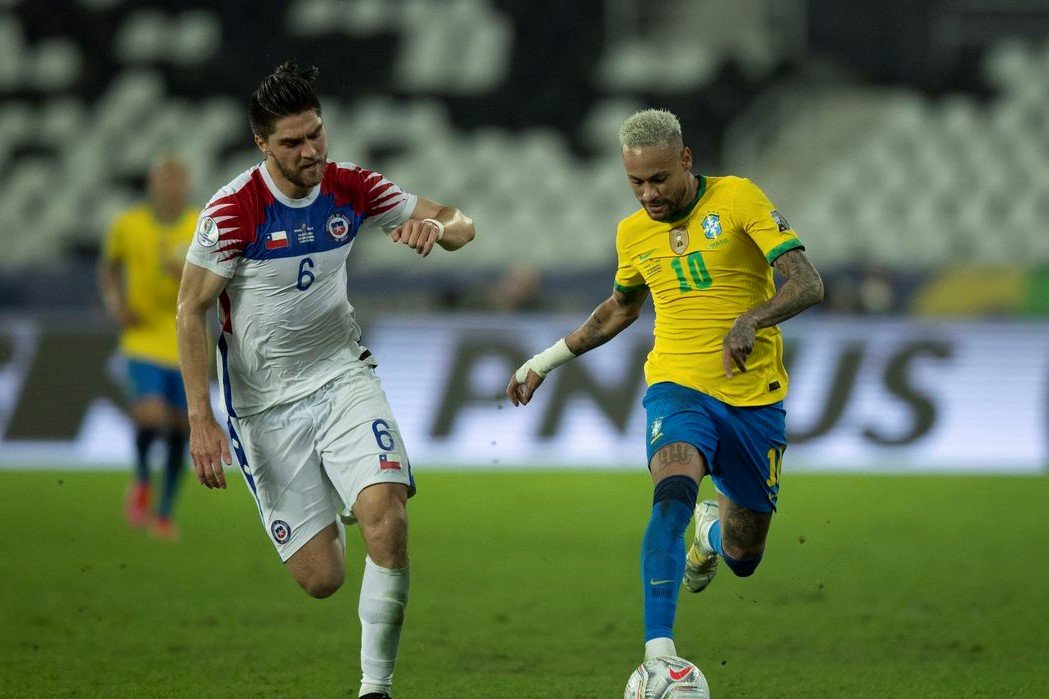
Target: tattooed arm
x=609 y=319
x=802 y=288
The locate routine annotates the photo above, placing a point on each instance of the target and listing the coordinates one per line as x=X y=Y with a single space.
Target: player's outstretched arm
x=802 y=287
x=207 y=442
x=609 y=319
x=434 y=224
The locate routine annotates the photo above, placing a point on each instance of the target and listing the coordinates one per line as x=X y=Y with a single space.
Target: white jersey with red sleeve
x=287 y=325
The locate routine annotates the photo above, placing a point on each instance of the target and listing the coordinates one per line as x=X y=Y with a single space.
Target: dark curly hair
x=287 y=90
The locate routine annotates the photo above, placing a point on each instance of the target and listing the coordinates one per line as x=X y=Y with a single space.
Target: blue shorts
x=150 y=380
x=743 y=446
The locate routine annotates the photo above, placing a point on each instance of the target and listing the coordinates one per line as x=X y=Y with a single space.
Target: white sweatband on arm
x=546 y=361
x=440 y=227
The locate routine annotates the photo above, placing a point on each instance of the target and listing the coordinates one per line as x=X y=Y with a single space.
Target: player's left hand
x=417 y=234
x=521 y=393
x=738 y=344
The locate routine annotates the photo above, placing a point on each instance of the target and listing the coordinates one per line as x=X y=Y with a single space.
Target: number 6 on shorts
x=381 y=430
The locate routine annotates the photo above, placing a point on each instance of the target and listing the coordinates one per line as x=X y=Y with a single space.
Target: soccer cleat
x=136 y=505
x=163 y=528
x=375 y=695
x=701 y=563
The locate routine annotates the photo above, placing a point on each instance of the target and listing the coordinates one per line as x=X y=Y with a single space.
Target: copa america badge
x=281 y=531
x=338 y=226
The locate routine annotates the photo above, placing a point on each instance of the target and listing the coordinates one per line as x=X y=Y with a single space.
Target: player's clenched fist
x=419 y=234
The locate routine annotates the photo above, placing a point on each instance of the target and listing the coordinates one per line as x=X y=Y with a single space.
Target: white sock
x=660 y=648
x=384 y=595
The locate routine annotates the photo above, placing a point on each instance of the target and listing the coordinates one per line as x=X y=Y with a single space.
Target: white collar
x=284 y=198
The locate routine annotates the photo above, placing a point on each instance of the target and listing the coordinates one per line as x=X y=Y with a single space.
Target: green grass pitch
x=527 y=585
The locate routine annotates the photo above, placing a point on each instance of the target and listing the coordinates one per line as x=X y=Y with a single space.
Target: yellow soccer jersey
x=703 y=271
x=150 y=253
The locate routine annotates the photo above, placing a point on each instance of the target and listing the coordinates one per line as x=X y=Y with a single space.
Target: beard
x=302 y=176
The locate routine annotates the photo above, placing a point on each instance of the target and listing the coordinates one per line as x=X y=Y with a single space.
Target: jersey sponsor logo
x=338 y=226
x=781 y=223
x=711 y=226
x=276 y=240
x=207 y=232
x=387 y=464
x=645 y=255
x=678 y=240
x=677 y=675
x=281 y=531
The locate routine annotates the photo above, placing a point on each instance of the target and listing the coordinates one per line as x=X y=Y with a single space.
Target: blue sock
x=663 y=553
x=172 y=471
x=144 y=437
x=714 y=538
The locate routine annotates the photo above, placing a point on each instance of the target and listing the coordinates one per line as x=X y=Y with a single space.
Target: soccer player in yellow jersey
x=139 y=280
x=705 y=248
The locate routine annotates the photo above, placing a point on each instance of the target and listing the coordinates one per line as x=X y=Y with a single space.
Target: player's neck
x=286 y=186
x=689 y=200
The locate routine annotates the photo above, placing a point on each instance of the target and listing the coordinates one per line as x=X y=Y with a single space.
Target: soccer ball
x=668 y=677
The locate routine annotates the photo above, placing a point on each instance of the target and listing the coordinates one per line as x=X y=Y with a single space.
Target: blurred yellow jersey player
x=139 y=280
x=705 y=268
x=705 y=248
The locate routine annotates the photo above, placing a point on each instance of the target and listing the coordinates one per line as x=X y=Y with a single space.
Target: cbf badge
x=711 y=226
x=678 y=240
x=338 y=227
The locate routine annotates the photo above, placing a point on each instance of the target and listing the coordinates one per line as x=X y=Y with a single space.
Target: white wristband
x=546 y=361
x=440 y=227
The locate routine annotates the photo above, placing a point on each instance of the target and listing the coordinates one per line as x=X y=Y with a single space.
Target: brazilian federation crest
x=679 y=239
x=711 y=226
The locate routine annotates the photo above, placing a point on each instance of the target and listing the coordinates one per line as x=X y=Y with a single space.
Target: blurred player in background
x=139 y=279
x=311 y=427
x=705 y=248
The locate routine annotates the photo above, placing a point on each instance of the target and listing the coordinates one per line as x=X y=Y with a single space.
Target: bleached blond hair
x=650 y=127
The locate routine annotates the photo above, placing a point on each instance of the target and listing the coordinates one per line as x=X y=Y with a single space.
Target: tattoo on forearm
x=590 y=332
x=606 y=321
x=802 y=288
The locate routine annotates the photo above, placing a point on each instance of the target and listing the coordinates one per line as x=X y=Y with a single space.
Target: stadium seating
x=462 y=101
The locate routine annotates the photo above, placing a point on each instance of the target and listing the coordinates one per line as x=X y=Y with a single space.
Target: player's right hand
x=520 y=393
x=210 y=451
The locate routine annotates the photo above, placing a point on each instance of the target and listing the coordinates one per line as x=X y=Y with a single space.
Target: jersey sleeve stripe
x=380 y=188
x=384 y=209
x=627 y=289
x=782 y=248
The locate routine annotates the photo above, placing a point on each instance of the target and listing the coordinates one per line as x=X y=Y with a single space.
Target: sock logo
x=678 y=674
x=653 y=581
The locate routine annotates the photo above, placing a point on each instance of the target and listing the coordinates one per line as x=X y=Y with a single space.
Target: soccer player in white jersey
x=309 y=423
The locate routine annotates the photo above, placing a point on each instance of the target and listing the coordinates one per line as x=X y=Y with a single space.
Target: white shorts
x=305 y=462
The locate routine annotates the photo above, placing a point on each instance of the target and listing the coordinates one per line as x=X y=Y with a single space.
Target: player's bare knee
x=323 y=585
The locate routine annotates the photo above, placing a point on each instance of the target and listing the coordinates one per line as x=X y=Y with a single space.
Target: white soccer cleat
x=701 y=562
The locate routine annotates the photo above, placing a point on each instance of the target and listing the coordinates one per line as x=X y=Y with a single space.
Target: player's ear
x=261 y=143
x=686 y=158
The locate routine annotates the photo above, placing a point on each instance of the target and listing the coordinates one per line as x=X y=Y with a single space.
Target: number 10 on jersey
x=697 y=270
